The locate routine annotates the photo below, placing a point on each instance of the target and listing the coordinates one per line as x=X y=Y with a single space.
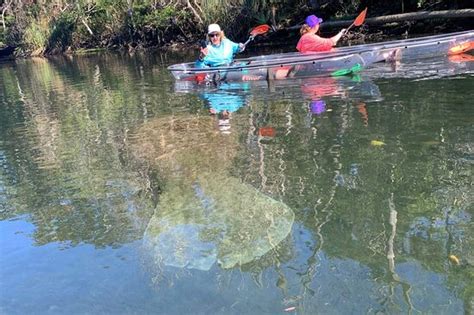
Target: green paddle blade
x=356 y=68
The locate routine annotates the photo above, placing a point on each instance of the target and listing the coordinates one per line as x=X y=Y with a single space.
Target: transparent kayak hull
x=341 y=60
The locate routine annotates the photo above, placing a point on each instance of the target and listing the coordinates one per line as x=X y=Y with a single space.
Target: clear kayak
x=343 y=86
x=341 y=61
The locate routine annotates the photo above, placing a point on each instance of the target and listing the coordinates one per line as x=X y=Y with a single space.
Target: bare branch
x=4 y=9
x=194 y=12
x=198 y=6
x=87 y=26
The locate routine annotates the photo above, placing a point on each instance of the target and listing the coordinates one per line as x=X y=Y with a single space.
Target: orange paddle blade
x=259 y=30
x=360 y=18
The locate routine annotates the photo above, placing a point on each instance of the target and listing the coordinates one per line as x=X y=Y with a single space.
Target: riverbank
x=69 y=32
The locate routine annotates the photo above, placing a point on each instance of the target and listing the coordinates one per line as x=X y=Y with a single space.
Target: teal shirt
x=219 y=55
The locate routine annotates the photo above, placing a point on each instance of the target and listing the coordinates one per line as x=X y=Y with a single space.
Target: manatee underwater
x=205 y=215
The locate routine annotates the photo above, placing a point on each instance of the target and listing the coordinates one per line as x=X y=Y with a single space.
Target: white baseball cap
x=213 y=28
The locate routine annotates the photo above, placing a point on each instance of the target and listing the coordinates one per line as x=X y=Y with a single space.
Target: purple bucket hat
x=313 y=20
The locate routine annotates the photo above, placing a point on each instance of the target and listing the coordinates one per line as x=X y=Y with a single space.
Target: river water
x=123 y=192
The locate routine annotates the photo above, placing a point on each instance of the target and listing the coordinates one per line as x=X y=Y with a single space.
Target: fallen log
x=412 y=16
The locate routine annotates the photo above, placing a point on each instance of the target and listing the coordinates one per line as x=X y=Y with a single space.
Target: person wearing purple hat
x=310 y=41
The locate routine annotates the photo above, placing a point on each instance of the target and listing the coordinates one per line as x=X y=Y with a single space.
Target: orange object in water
x=267 y=132
x=290 y=309
x=461 y=48
x=363 y=111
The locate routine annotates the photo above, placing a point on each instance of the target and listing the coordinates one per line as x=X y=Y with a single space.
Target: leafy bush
x=36 y=36
x=62 y=30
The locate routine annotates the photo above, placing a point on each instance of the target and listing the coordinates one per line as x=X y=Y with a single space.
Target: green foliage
x=36 y=36
x=56 y=25
x=145 y=23
x=162 y=18
x=62 y=30
x=145 y=17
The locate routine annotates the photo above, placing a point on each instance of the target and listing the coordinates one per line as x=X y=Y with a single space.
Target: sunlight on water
x=122 y=191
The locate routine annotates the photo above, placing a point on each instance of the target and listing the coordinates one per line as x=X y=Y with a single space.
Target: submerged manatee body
x=241 y=225
x=205 y=215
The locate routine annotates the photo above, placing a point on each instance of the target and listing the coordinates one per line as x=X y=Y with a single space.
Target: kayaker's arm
x=338 y=36
x=200 y=64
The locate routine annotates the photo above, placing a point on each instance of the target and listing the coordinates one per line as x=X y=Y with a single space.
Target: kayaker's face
x=215 y=38
x=315 y=28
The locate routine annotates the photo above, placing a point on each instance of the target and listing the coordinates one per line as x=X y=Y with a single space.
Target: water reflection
x=233 y=95
x=102 y=156
x=425 y=69
x=61 y=148
x=224 y=100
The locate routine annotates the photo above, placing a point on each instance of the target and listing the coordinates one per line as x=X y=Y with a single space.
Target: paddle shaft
x=248 y=41
x=347 y=29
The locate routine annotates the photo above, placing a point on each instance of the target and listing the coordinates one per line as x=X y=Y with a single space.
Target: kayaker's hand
x=242 y=47
x=338 y=36
x=204 y=51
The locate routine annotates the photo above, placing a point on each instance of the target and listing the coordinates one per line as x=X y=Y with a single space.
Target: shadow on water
x=326 y=195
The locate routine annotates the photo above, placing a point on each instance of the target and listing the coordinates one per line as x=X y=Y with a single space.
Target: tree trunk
x=422 y=15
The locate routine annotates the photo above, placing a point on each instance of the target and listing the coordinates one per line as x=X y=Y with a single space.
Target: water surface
x=120 y=192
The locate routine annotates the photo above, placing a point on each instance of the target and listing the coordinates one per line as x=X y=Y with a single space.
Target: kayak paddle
x=359 y=20
x=356 y=68
x=258 y=30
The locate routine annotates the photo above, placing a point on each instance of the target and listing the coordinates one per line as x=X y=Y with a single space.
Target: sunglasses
x=213 y=35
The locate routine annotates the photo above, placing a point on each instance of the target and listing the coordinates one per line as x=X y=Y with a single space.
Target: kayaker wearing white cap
x=310 y=41
x=219 y=49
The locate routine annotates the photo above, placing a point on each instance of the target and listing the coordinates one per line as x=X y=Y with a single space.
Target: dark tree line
x=37 y=27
